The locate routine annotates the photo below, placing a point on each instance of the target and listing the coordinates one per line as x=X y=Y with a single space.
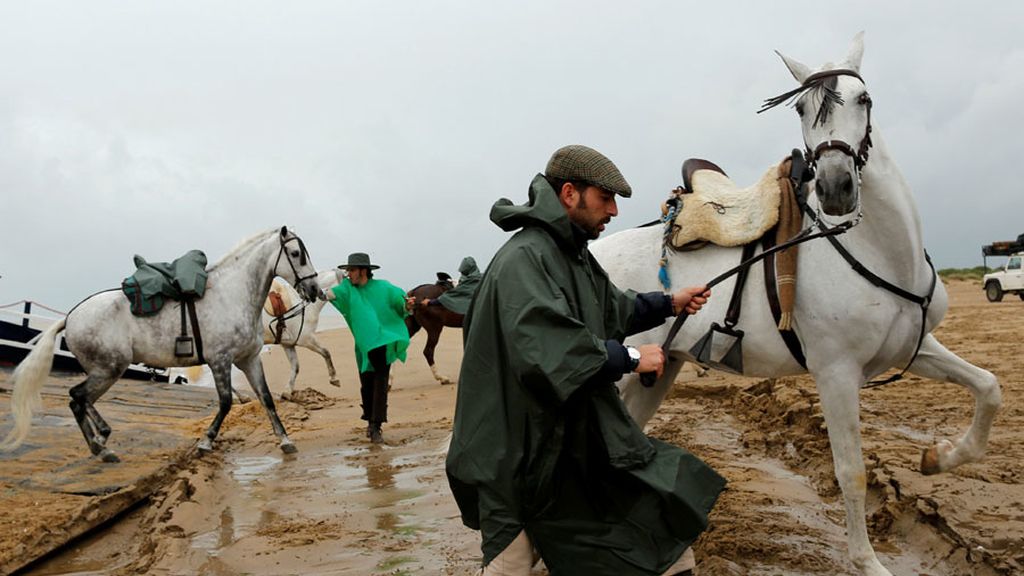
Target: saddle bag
x=141 y=304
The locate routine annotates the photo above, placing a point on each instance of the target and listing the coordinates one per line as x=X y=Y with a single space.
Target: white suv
x=1008 y=280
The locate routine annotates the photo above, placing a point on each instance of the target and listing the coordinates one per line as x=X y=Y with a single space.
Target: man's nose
x=613 y=208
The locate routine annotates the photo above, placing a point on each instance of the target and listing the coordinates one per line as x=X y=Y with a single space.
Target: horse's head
x=835 y=111
x=299 y=272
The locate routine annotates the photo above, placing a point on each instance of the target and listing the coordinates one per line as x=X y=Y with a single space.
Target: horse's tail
x=27 y=380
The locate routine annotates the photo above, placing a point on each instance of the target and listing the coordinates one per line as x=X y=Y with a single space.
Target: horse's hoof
x=205 y=446
x=108 y=456
x=288 y=448
x=336 y=383
x=930 y=458
x=286 y=395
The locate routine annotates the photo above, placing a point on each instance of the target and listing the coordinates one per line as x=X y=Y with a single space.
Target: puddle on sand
x=381 y=480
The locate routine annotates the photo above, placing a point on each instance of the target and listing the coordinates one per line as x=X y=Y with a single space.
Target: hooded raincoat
x=457 y=299
x=542 y=442
x=375 y=313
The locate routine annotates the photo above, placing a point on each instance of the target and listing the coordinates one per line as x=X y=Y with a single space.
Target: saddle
x=183 y=280
x=714 y=209
x=710 y=208
x=279 y=302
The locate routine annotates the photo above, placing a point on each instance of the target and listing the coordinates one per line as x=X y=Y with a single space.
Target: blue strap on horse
x=668 y=220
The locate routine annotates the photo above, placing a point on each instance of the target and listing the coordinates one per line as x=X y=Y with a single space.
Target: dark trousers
x=374 y=387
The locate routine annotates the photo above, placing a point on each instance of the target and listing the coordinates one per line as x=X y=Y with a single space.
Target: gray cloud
x=391 y=127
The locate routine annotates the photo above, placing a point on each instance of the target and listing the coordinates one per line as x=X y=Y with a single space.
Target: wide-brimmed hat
x=358 y=260
x=575 y=163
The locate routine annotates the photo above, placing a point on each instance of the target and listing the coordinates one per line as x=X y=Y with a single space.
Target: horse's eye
x=799 y=110
x=864 y=99
x=295 y=253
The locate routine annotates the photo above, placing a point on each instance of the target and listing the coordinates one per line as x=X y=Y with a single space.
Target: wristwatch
x=634 y=358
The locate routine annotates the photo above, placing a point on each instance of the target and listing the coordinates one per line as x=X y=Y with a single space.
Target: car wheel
x=993 y=292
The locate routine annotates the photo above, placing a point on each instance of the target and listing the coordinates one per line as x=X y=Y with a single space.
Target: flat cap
x=580 y=163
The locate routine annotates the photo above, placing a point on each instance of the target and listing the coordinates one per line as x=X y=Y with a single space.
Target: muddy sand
x=343 y=506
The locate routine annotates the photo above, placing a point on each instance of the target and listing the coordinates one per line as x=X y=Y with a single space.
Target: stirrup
x=732 y=361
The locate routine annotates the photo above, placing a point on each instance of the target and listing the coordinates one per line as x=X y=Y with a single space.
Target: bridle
x=303 y=259
x=819 y=81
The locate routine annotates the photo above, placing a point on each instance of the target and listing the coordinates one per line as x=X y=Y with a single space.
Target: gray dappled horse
x=851 y=329
x=105 y=337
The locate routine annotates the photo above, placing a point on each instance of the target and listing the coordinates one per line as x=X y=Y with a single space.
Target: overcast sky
x=391 y=127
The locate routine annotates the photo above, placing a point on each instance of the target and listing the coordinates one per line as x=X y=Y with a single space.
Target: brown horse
x=432 y=318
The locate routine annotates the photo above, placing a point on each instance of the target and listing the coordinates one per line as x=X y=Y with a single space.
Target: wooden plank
x=53 y=490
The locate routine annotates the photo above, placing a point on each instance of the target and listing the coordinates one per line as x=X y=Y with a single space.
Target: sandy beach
x=344 y=506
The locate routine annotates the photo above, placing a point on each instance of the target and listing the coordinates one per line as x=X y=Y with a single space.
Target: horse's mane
x=244 y=245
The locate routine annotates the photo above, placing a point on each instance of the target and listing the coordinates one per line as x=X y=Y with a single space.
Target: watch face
x=633 y=353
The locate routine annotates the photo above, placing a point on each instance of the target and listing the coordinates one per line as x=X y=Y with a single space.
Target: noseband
x=818 y=81
x=303 y=259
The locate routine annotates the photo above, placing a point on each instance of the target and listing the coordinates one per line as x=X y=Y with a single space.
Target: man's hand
x=690 y=299
x=326 y=294
x=410 y=303
x=652 y=359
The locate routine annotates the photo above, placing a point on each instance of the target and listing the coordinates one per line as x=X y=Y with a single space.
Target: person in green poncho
x=457 y=299
x=375 y=312
x=544 y=454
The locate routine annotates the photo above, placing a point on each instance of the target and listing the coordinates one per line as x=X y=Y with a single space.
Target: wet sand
x=343 y=506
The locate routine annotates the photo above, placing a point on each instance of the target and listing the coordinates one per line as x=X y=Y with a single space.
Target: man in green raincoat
x=544 y=454
x=375 y=312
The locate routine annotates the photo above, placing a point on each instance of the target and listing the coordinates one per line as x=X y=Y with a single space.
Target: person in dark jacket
x=544 y=454
x=457 y=299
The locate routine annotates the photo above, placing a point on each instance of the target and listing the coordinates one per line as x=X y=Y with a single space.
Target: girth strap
x=184 y=339
x=789 y=337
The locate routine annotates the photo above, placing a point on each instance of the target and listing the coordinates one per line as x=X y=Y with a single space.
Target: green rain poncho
x=457 y=299
x=540 y=442
x=375 y=313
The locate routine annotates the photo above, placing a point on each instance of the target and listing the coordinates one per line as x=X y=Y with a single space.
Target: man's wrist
x=633 y=358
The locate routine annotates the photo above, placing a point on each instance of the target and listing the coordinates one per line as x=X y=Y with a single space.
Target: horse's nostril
x=847 y=183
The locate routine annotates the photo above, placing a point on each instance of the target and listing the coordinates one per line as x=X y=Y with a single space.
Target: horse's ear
x=284 y=231
x=799 y=70
x=856 y=52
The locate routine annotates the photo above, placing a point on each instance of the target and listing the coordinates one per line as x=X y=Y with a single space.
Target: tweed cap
x=580 y=163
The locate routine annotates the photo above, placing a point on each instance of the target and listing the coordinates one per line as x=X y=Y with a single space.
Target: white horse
x=851 y=330
x=105 y=337
x=300 y=324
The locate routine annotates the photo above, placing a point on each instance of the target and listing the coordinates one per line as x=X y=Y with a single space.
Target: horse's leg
x=94 y=428
x=412 y=324
x=839 y=389
x=314 y=345
x=433 y=337
x=936 y=362
x=253 y=369
x=221 y=369
x=293 y=361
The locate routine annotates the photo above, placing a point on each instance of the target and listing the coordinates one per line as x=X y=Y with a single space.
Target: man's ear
x=569 y=195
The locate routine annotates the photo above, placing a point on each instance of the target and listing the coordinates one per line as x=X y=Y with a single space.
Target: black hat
x=358 y=260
